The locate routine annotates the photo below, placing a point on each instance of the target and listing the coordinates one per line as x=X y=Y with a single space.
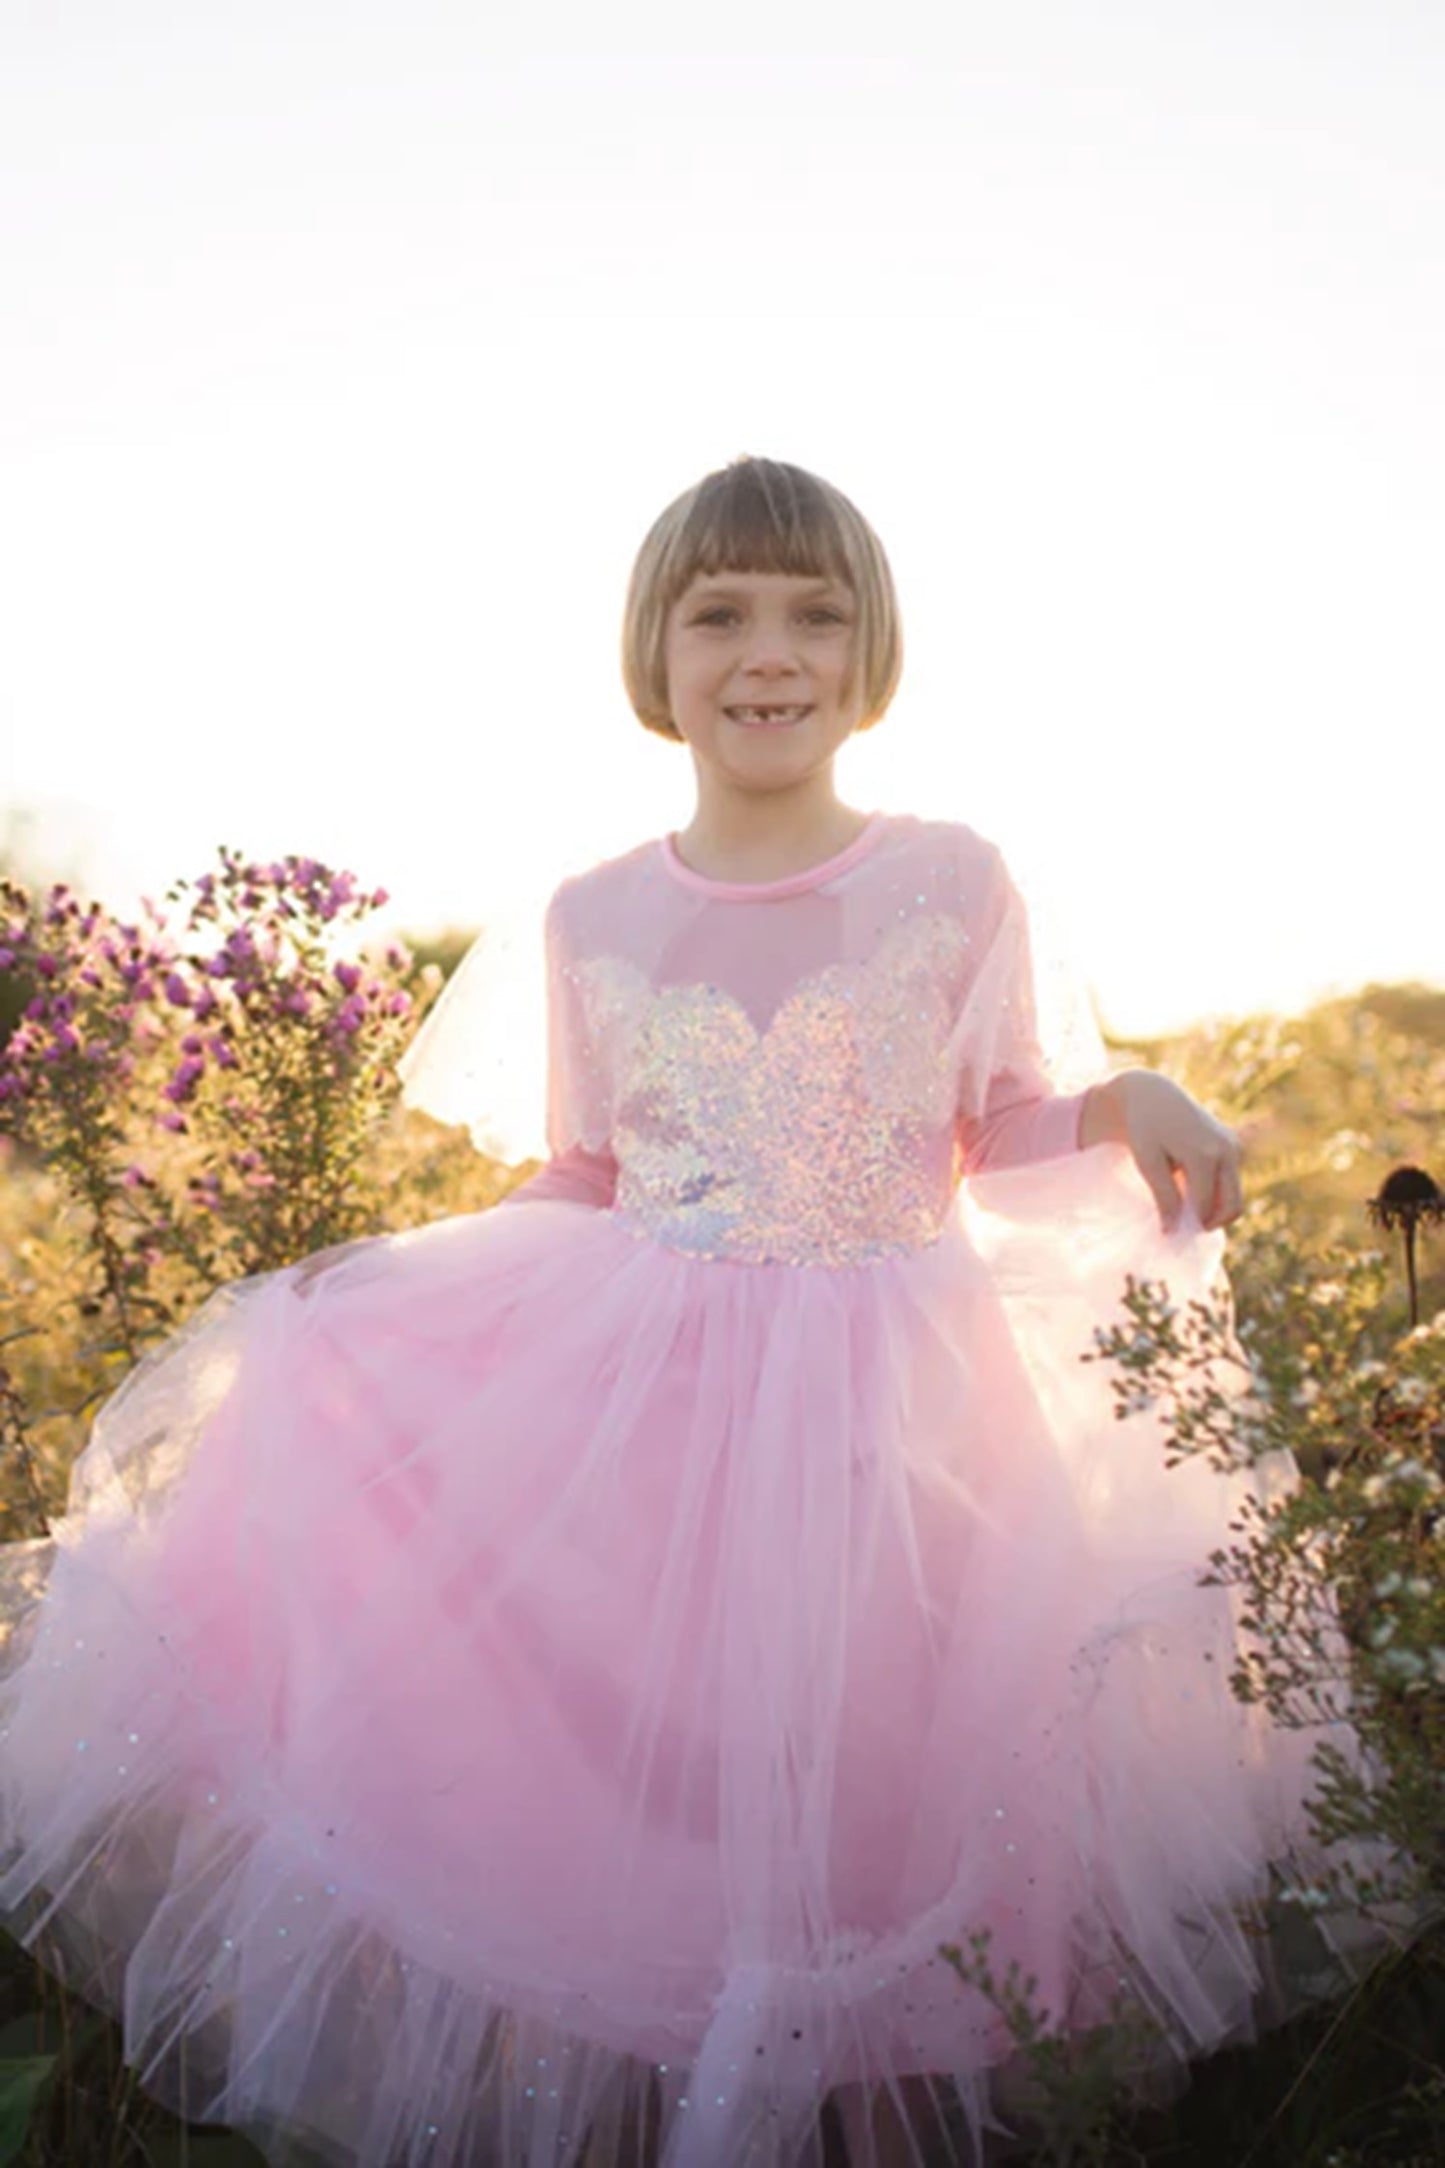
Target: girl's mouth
x=769 y=716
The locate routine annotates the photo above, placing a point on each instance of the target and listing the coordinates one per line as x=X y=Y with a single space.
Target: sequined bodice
x=822 y=1135
x=796 y=1071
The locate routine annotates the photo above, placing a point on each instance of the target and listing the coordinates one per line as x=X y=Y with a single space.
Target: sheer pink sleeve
x=574 y=1177
x=1015 y=1132
x=1013 y=1104
x=581 y=1168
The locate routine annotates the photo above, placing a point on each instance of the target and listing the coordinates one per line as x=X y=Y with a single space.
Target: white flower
x=1412 y=1392
x=1308 y=1896
x=1413 y=1471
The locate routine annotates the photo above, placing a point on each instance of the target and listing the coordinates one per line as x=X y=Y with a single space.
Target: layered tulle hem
x=258 y=1993
x=511 y=1694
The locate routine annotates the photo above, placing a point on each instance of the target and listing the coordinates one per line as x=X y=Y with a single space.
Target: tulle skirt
x=505 y=1680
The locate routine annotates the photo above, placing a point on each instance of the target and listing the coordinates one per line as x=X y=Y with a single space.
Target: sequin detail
x=823 y=1138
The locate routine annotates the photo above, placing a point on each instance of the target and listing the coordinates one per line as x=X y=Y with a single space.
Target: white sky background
x=347 y=350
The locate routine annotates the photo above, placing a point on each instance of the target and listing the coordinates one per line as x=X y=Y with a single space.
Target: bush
x=183 y=1101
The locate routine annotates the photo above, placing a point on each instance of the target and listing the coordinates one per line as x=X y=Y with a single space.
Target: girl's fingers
x=1212 y=1215
x=1208 y=1176
x=1212 y=1193
x=1158 y=1171
x=1207 y=1185
x=1226 y=1191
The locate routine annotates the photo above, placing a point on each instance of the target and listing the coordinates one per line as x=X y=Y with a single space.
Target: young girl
x=544 y=1687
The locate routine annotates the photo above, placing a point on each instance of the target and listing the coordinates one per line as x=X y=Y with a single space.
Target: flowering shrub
x=238 y=1028
x=197 y=1092
x=1341 y=1577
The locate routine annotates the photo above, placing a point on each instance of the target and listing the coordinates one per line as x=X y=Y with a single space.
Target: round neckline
x=787 y=884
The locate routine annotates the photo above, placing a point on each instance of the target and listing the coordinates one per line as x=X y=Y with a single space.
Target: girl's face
x=758 y=671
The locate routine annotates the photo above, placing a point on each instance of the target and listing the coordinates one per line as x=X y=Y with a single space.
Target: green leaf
x=21 y=2082
x=23 y=2036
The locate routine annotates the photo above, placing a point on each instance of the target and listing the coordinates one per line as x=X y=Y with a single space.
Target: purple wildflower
x=184 y=1082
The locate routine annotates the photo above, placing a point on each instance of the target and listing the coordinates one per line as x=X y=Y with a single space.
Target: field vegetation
x=211 y=1092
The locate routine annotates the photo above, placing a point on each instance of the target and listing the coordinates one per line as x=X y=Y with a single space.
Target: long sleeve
x=575 y=1176
x=1013 y=1131
x=1010 y=1110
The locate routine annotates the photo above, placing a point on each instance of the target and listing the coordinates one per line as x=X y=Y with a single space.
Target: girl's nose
x=771 y=649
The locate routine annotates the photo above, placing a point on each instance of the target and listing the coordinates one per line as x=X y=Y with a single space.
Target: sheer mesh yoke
x=796 y=1075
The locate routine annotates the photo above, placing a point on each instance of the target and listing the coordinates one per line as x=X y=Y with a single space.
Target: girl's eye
x=727 y=613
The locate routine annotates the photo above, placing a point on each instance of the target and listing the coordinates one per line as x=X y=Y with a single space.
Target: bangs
x=760 y=517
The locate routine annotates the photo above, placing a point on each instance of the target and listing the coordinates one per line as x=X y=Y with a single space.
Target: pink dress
x=592 y=1653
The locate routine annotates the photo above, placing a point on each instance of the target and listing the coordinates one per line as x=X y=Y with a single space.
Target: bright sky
x=347 y=350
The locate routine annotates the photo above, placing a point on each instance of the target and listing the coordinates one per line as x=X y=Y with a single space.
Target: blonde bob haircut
x=759 y=515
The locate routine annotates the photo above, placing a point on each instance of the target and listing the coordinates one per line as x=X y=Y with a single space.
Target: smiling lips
x=767 y=718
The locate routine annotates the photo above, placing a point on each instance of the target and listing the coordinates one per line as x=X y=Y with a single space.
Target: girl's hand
x=1170 y=1135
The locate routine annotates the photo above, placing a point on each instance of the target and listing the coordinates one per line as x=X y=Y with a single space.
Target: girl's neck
x=765 y=838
